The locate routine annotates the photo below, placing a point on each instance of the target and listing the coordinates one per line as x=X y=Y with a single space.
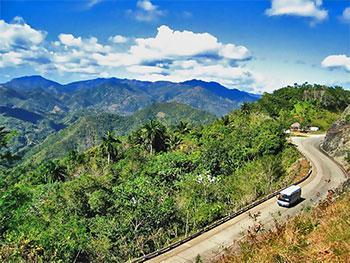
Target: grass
x=320 y=234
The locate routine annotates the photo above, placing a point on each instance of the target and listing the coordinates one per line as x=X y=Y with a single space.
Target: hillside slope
x=310 y=105
x=337 y=141
x=37 y=107
x=87 y=131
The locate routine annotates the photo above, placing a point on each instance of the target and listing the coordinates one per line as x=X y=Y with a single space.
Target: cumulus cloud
x=78 y=55
x=89 y=44
x=301 y=8
x=146 y=11
x=337 y=61
x=20 y=44
x=345 y=17
x=172 y=45
x=146 y=5
x=169 y=55
x=19 y=35
x=118 y=39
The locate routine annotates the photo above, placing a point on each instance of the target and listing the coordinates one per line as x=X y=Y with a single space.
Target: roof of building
x=296 y=124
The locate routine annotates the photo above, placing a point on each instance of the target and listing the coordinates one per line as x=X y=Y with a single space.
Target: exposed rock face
x=337 y=141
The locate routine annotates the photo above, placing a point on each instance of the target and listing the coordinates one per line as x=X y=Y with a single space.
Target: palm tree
x=174 y=141
x=154 y=135
x=182 y=128
x=225 y=120
x=109 y=146
x=52 y=171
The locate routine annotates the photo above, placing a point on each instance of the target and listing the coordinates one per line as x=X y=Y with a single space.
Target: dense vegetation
x=130 y=196
x=134 y=194
x=310 y=105
x=87 y=131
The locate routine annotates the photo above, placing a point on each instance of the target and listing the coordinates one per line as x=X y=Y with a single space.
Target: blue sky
x=255 y=46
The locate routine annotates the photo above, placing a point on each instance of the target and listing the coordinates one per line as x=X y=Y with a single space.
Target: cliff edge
x=337 y=140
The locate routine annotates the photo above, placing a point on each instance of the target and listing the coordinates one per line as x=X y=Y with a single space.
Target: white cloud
x=146 y=11
x=118 y=39
x=169 y=55
x=171 y=45
x=146 y=5
x=89 y=44
x=144 y=69
x=20 y=44
x=78 y=55
x=301 y=8
x=232 y=52
x=345 y=17
x=11 y=59
x=337 y=61
x=16 y=36
x=92 y=3
x=232 y=77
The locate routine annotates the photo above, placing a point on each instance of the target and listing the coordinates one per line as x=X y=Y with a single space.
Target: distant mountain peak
x=31 y=77
x=31 y=82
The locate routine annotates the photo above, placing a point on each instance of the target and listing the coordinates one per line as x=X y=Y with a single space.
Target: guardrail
x=215 y=224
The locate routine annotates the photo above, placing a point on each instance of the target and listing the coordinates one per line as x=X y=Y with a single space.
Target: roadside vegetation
x=320 y=234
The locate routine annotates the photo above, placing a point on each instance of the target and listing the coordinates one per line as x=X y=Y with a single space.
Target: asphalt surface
x=326 y=175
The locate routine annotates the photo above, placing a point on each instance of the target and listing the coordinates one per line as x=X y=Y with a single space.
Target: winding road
x=326 y=174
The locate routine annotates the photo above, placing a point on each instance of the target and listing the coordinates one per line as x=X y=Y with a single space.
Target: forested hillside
x=132 y=195
x=310 y=105
x=87 y=131
x=37 y=107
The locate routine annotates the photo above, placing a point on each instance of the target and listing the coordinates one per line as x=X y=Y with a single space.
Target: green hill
x=311 y=105
x=87 y=131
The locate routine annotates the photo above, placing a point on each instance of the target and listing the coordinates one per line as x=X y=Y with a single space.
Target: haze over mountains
x=38 y=107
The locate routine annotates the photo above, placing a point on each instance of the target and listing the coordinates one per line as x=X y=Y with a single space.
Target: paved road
x=314 y=189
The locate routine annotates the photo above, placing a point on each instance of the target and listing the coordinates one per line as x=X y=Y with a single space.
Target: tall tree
x=52 y=171
x=154 y=136
x=109 y=146
x=174 y=141
x=6 y=157
x=182 y=128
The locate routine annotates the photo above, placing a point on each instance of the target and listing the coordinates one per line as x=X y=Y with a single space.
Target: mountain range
x=38 y=107
x=120 y=96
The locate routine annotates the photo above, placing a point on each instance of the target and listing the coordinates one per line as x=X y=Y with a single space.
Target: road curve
x=315 y=188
